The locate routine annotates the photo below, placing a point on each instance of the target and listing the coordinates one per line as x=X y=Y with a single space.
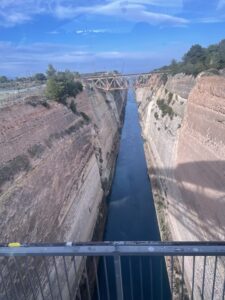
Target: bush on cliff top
x=199 y=59
x=61 y=85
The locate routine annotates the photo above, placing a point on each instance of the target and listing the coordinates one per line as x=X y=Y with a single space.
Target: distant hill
x=199 y=59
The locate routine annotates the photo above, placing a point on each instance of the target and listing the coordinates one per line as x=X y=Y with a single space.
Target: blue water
x=132 y=217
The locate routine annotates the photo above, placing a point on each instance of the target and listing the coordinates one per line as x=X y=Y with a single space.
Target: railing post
x=118 y=276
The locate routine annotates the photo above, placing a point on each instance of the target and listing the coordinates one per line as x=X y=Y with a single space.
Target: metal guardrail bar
x=117 y=248
x=113 y=270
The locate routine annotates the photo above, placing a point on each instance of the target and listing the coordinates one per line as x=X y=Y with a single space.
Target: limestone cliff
x=56 y=166
x=183 y=123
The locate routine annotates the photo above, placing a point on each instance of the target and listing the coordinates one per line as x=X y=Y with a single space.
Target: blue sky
x=93 y=35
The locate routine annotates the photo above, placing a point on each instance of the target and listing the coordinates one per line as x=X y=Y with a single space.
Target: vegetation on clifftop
x=199 y=59
x=61 y=85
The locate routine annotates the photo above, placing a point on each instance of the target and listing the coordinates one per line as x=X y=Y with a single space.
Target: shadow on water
x=132 y=217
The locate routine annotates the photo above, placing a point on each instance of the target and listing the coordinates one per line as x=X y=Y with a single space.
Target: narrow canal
x=132 y=217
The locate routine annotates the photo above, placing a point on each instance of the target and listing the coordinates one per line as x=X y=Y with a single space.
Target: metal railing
x=113 y=270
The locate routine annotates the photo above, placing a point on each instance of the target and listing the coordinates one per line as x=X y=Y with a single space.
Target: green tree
x=61 y=85
x=51 y=71
x=199 y=59
x=3 y=79
x=194 y=55
x=174 y=66
x=40 y=77
x=54 y=89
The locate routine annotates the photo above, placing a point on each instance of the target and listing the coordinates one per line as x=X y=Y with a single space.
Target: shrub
x=35 y=101
x=86 y=117
x=61 y=85
x=36 y=150
x=164 y=78
x=54 y=89
x=165 y=108
x=156 y=115
x=51 y=71
x=3 y=79
x=10 y=169
x=73 y=107
x=32 y=98
x=40 y=77
x=61 y=134
x=170 y=97
x=45 y=104
x=74 y=88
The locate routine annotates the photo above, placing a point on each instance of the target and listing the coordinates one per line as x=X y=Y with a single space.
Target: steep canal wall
x=183 y=122
x=56 y=166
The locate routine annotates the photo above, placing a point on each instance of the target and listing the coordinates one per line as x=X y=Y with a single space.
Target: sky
x=100 y=35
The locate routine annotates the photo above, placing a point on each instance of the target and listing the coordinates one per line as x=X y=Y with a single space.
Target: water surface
x=132 y=217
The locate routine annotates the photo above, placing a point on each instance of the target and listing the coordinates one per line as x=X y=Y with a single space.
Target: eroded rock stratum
x=183 y=125
x=56 y=166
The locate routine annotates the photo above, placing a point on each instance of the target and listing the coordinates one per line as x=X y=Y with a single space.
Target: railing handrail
x=122 y=248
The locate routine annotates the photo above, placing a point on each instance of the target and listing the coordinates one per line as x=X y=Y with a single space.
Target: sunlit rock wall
x=185 y=148
x=56 y=167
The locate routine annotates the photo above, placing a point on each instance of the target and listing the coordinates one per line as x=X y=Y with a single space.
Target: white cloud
x=158 y=3
x=26 y=59
x=51 y=52
x=86 y=31
x=135 y=11
x=210 y=20
x=12 y=18
x=15 y=12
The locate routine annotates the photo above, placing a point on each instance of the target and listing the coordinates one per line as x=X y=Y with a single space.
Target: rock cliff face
x=56 y=166
x=183 y=124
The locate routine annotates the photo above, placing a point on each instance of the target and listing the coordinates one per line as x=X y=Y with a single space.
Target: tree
x=40 y=77
x=3 y=79
x=194 y=55
x=199 y=59
x=51 y=71
x=174 y=66
x=61 y=85
x=54 y=90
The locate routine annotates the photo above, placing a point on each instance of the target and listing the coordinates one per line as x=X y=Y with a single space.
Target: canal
x=132 y=217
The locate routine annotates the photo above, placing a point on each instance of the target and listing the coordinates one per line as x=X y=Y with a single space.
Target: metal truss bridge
x=116 y=81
